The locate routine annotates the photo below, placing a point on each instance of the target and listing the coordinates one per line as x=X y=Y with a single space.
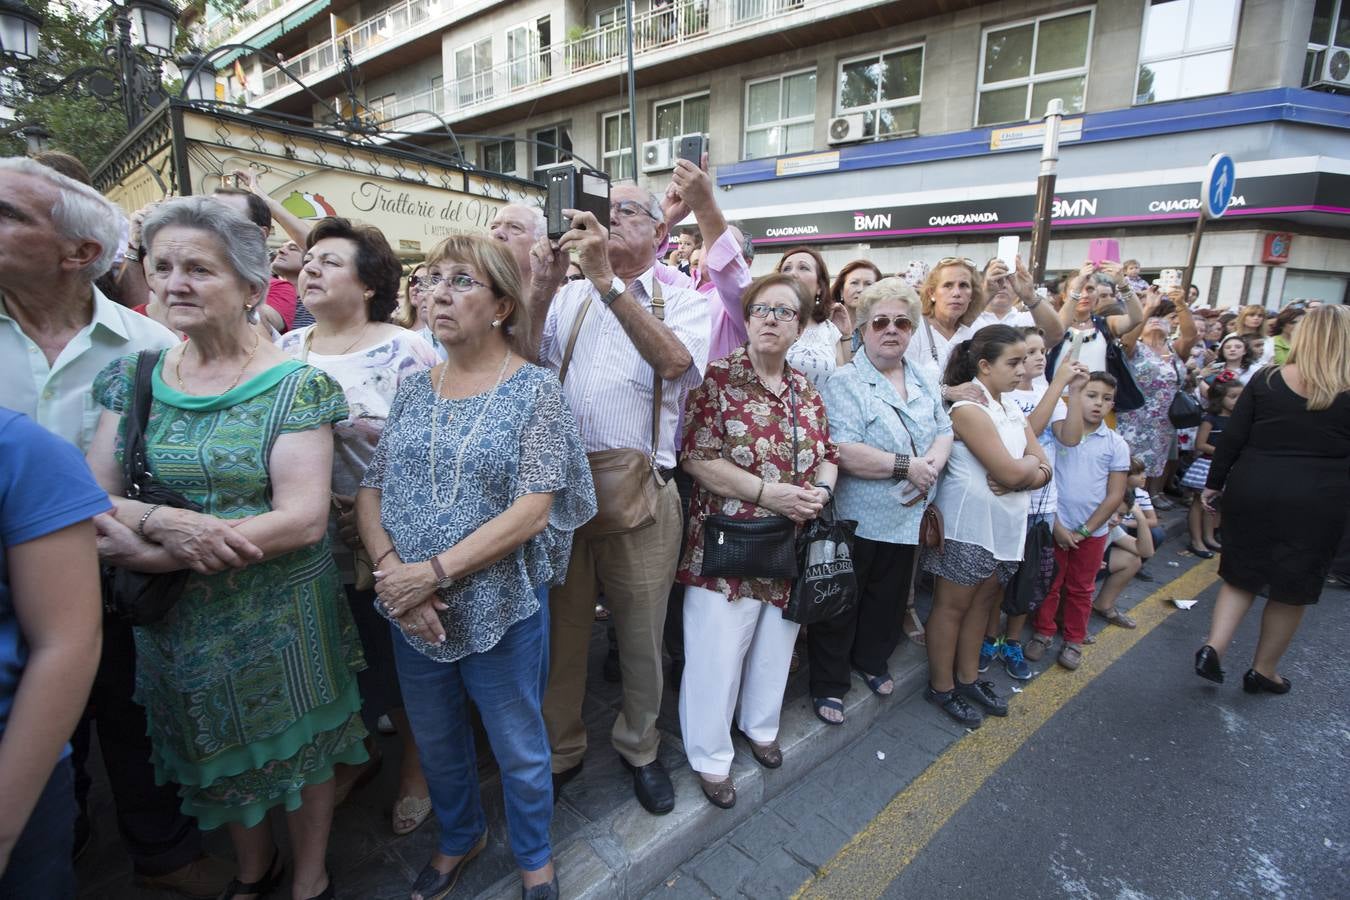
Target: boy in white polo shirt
x=1091 y=479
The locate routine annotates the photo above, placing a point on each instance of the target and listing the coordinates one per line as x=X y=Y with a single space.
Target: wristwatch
x=443 y=581
x=616 y=287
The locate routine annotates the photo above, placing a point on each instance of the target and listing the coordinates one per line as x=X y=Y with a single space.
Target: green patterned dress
x=249 y=684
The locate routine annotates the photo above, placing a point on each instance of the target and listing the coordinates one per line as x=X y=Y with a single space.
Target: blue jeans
x=39 y=865
x=506 y=683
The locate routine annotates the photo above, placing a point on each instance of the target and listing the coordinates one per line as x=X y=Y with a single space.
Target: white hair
x=239 y=238
x=538 y=224
x=80 y=213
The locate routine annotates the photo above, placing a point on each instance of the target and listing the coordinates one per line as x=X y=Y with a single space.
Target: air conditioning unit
x=846 y=129
x=1335 y=68
x=656 y=156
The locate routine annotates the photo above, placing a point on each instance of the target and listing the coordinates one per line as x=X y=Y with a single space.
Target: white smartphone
x=1007 y=251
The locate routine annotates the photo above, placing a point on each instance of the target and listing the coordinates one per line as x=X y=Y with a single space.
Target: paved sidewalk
x=605 y=844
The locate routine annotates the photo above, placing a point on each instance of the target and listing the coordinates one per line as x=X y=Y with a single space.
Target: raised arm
x=296 y=228
x=1183 y=345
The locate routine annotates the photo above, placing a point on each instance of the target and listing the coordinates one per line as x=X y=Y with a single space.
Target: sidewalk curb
x=628 y=853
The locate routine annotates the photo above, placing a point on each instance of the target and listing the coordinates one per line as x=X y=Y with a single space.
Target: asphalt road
x=1151 y=782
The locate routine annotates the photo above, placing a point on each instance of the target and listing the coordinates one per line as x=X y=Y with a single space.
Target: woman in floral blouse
x=739 y=446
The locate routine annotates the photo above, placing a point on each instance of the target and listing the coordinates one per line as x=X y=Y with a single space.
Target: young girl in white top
x=983 y=501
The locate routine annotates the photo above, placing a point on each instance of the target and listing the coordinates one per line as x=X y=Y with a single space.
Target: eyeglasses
x=781 y=313
x=881 y=323
x=460 y=284
x=629 y=209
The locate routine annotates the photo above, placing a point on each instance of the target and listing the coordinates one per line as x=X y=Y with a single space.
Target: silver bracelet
x=140 y=526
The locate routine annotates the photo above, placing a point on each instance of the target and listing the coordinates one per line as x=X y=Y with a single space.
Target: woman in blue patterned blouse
x=894 y=437
x=468 y=508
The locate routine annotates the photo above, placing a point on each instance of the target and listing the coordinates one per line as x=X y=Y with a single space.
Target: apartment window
x=884 y=87
x=1025 y=65
x=500 y=156
x=1187 y=49
x=555 y=146
x=685 y=115
x=473 y=72
x=527 y=53
x=437 y=93
x=1330 y=28
x=381 y=107
x=780 y=115
x=616 y=149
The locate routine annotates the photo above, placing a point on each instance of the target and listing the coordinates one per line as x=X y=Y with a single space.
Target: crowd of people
x=372 y=499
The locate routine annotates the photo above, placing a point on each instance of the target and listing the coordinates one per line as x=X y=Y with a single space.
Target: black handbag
x=826 y=585
x=142 y=598
x=763 y=547
x=1023 y=593
x=1184 y=411
x=1129 y=397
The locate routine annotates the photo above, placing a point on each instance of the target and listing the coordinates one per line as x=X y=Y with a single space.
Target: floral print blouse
x=734 y=415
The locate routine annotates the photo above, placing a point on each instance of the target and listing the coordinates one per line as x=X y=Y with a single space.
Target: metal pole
x=126 y=59
x=632 y=95
x=1045 y=190
x=1191 y=257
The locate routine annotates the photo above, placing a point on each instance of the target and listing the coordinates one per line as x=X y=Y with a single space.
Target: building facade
x=893 y=130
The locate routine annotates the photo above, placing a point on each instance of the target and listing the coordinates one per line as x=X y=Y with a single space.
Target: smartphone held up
x=578 y=189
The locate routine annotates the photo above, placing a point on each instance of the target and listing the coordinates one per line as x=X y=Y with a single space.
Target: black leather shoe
x=954 y=705
x=433 y=884
x=561 y=778
x=1143 y=575
x=1200 y=551
x=1254 y=683
x=540 y=891
x=652 y=786
x=982 y=692
x=1207 y=664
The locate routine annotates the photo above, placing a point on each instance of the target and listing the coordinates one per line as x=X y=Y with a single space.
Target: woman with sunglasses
x=748 y=462
x=887 y=418
x=349 y=283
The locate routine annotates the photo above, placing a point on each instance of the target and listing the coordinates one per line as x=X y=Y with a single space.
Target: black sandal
x=276 y=871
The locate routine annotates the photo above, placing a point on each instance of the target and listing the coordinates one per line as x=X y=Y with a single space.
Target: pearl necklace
x=468 y=440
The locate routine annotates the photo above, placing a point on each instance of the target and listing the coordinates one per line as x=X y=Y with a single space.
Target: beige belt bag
x=626 y=481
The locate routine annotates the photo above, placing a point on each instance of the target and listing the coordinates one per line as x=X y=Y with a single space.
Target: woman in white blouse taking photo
x=826 y=341
x=996 y=459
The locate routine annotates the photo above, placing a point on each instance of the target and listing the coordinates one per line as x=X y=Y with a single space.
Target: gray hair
x=240 y=239
x=80 y=213
x=889 y=289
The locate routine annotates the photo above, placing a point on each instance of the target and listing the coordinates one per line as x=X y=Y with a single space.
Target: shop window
x=1186 y=49
x=884 y=87
x=1026 y=64
x=780 y=114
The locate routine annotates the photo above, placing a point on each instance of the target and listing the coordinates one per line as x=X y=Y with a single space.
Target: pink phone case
x=1103 y=250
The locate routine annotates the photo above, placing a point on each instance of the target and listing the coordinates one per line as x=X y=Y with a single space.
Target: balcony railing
x=657 y=29
x=221 y=30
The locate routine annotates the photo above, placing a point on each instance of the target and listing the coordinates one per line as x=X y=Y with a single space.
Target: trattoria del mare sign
x=1269 y=195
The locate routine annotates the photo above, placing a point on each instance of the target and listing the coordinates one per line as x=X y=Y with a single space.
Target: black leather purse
x=142 y=598
x=1184 y=411
x=764 y=547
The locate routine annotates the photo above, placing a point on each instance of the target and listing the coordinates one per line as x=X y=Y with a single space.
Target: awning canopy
x=268 y=35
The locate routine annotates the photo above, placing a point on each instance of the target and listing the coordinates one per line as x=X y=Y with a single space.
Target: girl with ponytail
x=982 y=497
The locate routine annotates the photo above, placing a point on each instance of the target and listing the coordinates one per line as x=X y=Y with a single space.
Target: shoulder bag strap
x=932 y=345
x=572 y=339
x=658 y=310
x=792 y=402
x=135 y=467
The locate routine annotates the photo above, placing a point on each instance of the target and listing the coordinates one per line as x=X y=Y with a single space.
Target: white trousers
x=737 y=650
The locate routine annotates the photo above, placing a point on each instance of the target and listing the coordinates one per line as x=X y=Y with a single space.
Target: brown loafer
x=721 y=794
x=769 y=755
x=1070 y=656
x=1035 y=648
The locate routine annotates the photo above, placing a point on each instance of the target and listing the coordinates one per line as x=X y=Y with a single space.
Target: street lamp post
x=131 y=74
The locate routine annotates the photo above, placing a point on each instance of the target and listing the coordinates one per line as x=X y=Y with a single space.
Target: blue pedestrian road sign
x=1217 y=188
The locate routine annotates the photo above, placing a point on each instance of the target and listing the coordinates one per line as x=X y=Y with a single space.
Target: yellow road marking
x=872 y=859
